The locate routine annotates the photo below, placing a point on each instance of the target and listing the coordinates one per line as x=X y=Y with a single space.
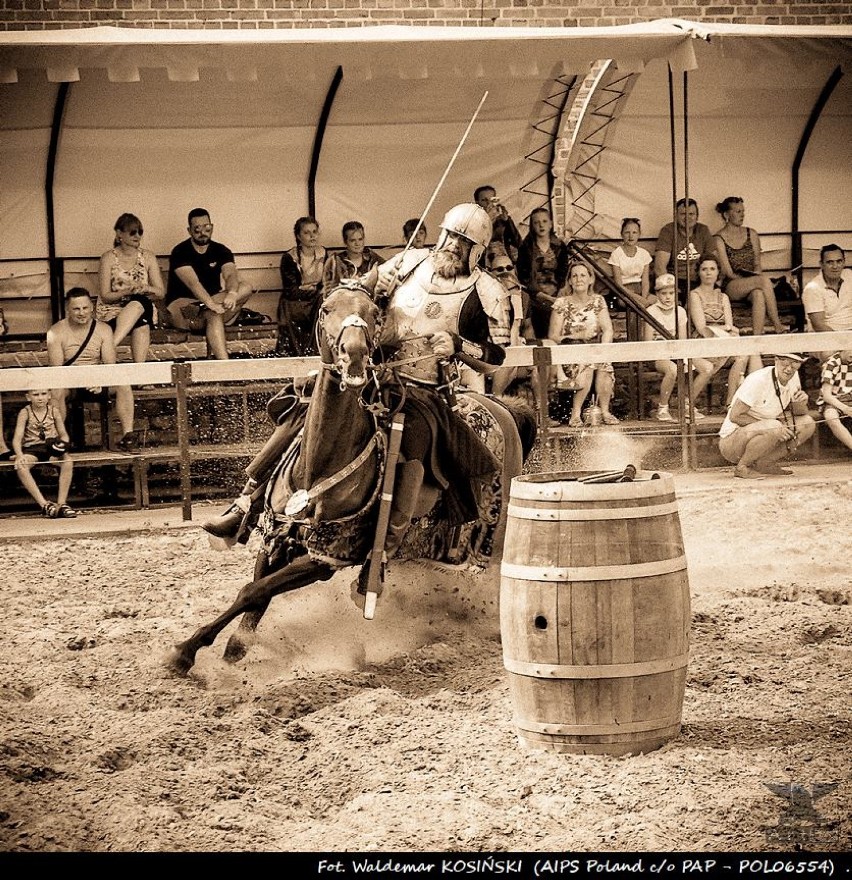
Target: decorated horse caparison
x=323 y=503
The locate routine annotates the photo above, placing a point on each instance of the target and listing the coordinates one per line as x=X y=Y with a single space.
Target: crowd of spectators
x=687 y=285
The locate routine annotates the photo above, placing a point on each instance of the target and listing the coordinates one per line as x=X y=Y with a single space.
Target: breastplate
x=420 y=306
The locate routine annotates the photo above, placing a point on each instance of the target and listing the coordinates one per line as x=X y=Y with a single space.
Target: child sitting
x=673 y=318
x=835 y=400
x=631 y=269
x=40 y=436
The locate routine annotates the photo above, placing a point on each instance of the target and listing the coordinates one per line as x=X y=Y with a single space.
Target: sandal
x=65 y=512
x=609 y=419
x=575 y=422
x=50 y=510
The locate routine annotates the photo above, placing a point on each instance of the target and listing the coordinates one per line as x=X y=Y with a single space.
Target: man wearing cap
x=440 y=307
x=768 y=418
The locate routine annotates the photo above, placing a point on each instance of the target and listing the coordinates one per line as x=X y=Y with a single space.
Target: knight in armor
x=440 y=309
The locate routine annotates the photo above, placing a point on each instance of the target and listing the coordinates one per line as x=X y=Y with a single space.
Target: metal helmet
x=471 y=222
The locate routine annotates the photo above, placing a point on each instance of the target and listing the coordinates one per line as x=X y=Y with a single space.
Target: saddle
x=433 y=535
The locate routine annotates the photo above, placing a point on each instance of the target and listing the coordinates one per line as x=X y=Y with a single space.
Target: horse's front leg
x=252 y=597
x=241 y=640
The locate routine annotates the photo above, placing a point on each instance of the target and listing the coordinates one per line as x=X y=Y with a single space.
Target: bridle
x=334 y=344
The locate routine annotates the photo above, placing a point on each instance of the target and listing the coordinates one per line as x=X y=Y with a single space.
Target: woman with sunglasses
x=129 y=284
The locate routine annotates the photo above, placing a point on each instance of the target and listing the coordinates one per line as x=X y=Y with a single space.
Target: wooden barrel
x=594 y=613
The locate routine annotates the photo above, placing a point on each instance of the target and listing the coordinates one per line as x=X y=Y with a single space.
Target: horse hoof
x=235 y=650
x=179 y=662
x=358 y=596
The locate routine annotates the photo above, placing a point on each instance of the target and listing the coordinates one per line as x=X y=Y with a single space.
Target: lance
x=393 y=280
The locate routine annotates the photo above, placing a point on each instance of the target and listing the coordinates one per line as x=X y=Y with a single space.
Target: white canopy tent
x=255 y=126
x=159 y=121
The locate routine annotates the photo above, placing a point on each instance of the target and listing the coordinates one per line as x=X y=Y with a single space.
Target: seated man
x=827 y=298
x=204 y=289
x=690 y=239
x=517 y=310
x=503 y=228
x=80 y=339
x=767 y=420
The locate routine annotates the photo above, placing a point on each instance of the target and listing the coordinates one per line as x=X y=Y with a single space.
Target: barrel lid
x=567 y=486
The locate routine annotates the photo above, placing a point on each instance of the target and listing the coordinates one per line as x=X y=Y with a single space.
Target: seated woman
x=356 y=260
x=301 y=290
x=130 y=284
x=542 y=268
x=581 y=315
x=710 y=313
x=738 y=250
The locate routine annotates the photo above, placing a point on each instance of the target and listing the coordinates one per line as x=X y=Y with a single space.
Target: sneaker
x=129 y=443
x=698 y=415
x=663 y=414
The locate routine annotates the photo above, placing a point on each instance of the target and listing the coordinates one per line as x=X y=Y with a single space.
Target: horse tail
x=525 y=421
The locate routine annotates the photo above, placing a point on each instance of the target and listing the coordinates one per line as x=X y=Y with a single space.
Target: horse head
x=349 y=325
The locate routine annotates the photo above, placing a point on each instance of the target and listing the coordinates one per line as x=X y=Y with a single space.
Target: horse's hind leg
x=252 y=597
x=241 y=640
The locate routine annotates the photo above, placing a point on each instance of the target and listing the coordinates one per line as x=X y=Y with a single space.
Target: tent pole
x=689 y=452
x=796 y=249
x=322 y=123
x=57 y=307
x=680 y=382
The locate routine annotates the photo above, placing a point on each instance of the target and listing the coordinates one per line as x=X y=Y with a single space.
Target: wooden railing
x=184 y=378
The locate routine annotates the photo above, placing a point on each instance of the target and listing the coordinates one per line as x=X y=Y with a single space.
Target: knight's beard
x=448 y=265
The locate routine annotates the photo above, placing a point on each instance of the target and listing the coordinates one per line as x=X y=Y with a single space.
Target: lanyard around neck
x=783 y=408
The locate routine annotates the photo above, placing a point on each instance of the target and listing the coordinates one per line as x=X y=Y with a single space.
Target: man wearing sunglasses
x=204 y=290
x=517 y=305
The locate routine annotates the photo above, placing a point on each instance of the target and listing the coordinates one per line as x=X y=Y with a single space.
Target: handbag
x=251 y=318
x=193 y=314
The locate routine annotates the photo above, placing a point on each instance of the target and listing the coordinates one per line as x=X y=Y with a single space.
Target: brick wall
x=39 y=14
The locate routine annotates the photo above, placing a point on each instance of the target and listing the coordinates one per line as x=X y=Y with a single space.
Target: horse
x=320 y=509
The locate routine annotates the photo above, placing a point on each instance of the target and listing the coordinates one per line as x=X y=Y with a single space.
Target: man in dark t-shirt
x=678 y=251
x=204 y=290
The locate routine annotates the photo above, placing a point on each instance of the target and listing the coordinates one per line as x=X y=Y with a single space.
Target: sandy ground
x=345 y=735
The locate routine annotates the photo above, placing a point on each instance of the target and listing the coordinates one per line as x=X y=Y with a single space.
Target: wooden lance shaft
x=374 y=572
